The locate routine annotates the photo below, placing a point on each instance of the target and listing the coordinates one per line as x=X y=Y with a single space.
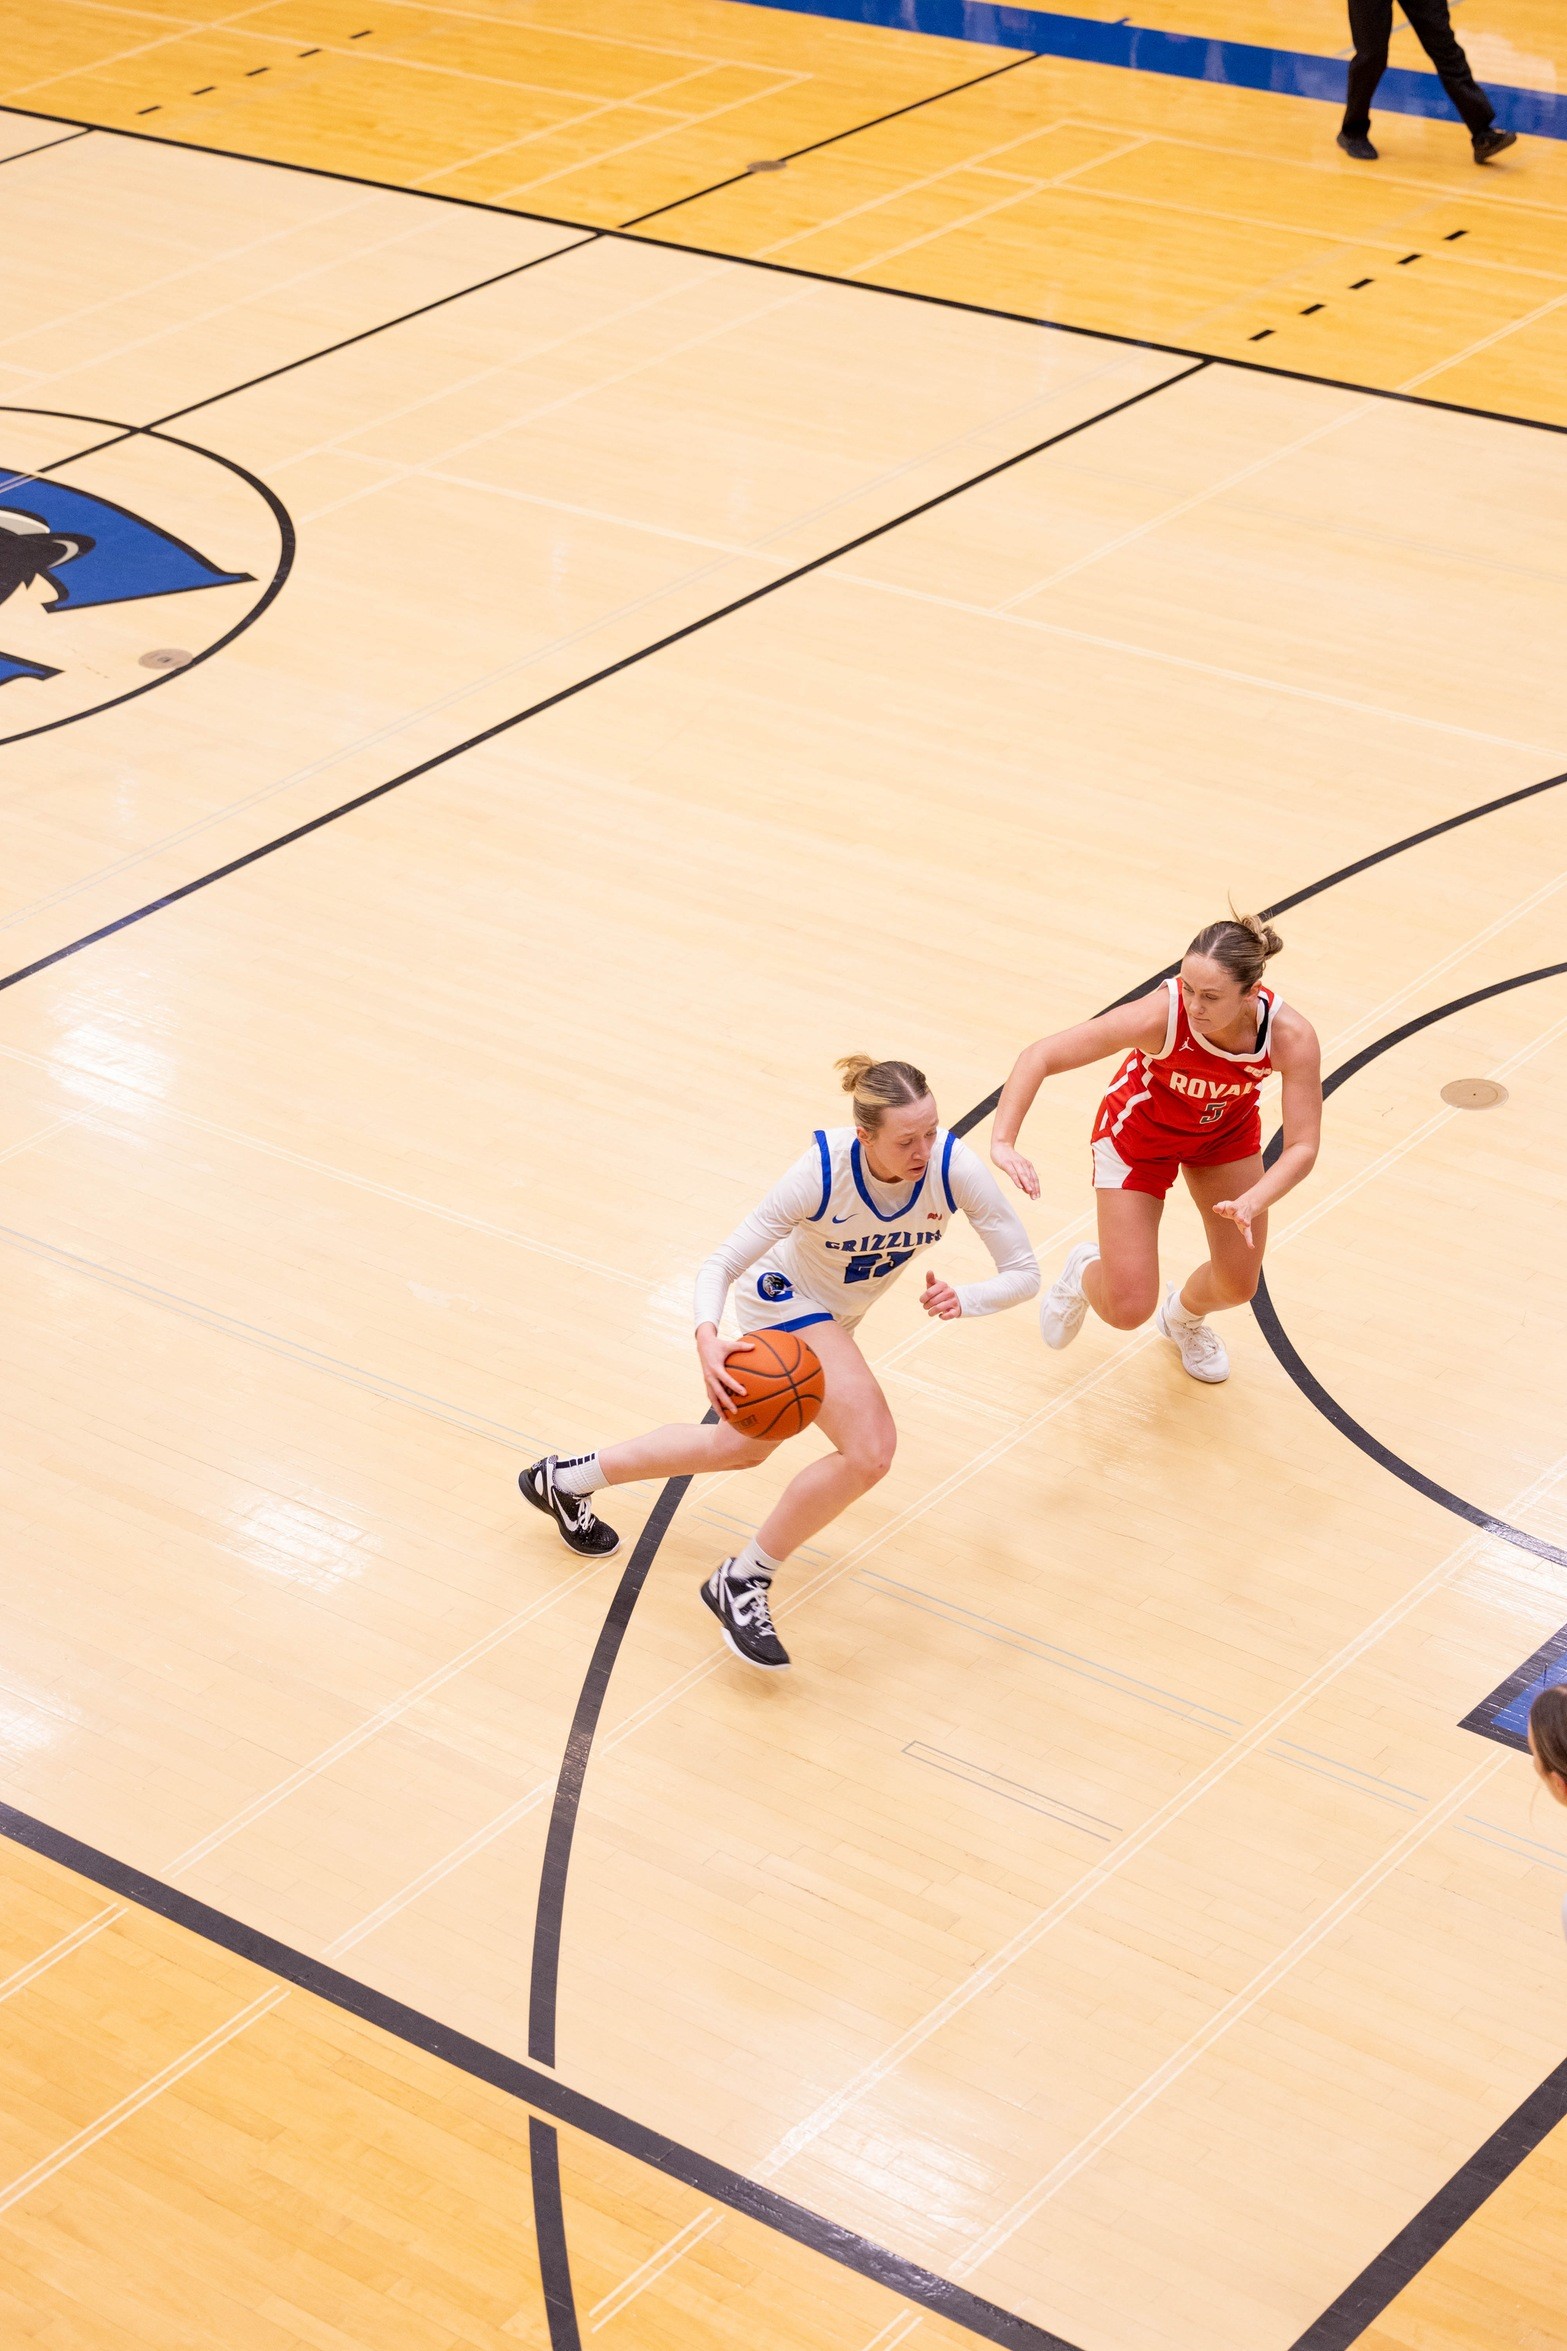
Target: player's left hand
x=940 y=1299
x=1240 y=1212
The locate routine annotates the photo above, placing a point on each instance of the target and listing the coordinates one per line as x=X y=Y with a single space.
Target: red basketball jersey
x=1189 y=1100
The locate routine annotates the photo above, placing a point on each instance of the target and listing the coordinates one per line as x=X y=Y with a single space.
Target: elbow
x=1030 y=1288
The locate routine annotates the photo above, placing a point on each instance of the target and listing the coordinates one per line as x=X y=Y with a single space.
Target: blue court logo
x=85 y=551
x=140 y=553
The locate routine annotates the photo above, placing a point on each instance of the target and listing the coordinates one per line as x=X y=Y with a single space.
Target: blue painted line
x=1189 y=57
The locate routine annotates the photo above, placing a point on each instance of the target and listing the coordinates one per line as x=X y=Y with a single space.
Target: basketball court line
x=1234 y=65
x=540 y=2090
x=43 y=145
x=662 y=2260
x=1188 y=661
x=143 y=2095
x=1279 y=372
x=793 y=154
x=552 y=701
x=823 y=277
x=1375 y=857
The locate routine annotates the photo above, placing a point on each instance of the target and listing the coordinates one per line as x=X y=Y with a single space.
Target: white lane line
x=136 y=2099
x=1471 y=350
x=21 y=1977
x=1198 y=2043
x=1187 y=661
x=690 y=122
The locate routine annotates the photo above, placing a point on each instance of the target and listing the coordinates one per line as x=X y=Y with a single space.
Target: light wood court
x=495 y=708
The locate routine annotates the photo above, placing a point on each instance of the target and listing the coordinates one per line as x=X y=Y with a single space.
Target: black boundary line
x=287 y=545
x=1306 y=1380
x=1402 y=2261
x=518 y=718
x=1060 y=326
x=549 y=2225
x=459 y=294
x=84 y=131
x=793 y=154
x=533 y=2089
x=232 y=391
x=1483 y=1718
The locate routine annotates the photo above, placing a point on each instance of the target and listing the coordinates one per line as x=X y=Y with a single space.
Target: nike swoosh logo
x=843 y=1219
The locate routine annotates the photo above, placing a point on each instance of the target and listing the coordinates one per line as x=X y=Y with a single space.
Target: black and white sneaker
x=747 y=1619
x=580 y=1531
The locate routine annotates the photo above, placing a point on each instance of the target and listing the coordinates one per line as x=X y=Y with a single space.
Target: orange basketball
x=784 y=1385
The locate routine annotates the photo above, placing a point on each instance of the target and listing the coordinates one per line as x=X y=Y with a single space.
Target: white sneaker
x=1203 y=1352
x=1063 y=1306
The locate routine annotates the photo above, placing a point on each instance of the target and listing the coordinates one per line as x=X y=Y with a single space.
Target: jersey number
x=871 y=1268
x=1213 y=1114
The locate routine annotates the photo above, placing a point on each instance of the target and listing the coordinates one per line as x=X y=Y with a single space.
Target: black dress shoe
x=1492 y=142
x=1357 y=144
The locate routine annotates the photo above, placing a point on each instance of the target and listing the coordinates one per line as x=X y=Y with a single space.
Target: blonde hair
x=1240 y=945
x=880 y=1086
x=1548 y=1729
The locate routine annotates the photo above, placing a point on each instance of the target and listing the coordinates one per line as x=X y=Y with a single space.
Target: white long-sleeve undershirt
x=796 y=1197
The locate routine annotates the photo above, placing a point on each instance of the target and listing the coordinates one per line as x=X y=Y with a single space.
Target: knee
x=740 y=1452
x=1126 y=1304
x=1237 y=1285
x=871 y=1456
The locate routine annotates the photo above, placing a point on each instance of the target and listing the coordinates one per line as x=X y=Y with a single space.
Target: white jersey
x=829 y=1239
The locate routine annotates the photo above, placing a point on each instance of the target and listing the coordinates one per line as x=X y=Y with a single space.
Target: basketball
x=784 y=1386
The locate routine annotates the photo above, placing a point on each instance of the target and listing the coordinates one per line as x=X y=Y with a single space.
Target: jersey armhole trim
x=817 y=1214
x=946 y=1172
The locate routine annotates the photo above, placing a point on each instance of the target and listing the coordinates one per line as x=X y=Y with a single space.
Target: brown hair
x=1548 y=1728
x=880 y=1086
x=1240 y=945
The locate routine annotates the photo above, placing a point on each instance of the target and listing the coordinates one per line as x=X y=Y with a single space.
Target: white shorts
x=765 y=1299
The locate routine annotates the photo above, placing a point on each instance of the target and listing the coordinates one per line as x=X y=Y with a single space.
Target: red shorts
x=1144 y=1154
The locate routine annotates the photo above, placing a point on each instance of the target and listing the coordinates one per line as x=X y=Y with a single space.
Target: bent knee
x=871 y=1459
x=1239 y=1288
x=1124 y=1309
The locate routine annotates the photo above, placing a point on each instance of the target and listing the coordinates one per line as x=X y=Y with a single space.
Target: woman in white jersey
x=1197 y=1050
x=831 y=1237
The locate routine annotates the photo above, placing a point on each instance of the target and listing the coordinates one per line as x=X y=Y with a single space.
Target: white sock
x=580 y=1475
x=1176 y=1311
x=752 y=1565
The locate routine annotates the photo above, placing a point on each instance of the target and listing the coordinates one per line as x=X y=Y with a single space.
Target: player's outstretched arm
x=1297 y=1057
x=1141 y=1023
x=1016 y=1277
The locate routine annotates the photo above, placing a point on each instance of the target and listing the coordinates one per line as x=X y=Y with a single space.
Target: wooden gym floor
x=537 y=695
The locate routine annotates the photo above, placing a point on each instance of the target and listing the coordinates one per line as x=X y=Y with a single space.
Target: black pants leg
x=1434 y=31
x=1370 y=25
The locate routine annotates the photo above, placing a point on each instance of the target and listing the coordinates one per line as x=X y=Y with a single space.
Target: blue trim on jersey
x=801 y=1322
x=946 y=1174
x=893 y=1215
x=821 y=1145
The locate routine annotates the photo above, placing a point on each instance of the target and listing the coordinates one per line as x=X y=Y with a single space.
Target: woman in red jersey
x=1185 y=1097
